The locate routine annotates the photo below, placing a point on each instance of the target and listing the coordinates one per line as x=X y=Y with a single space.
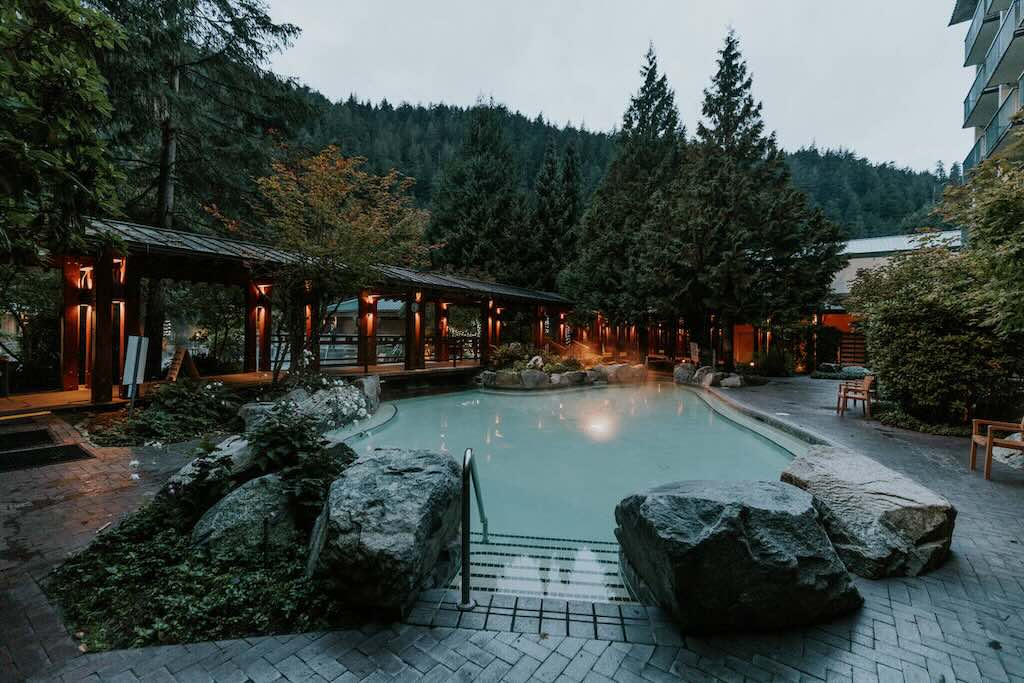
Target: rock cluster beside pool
x=881 y=522
x=727 y=556
x=534 y=378
x=706 y=376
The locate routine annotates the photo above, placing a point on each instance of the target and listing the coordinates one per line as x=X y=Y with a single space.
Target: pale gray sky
x=881 y=77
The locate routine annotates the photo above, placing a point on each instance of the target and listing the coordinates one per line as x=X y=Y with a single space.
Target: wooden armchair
x=990 y=434
x=856 y=391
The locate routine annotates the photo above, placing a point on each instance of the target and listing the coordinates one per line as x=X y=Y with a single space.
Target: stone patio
x=963 y=622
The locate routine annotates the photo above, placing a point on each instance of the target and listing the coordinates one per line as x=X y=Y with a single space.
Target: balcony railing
x=996 y=51
x=980 y=13
x=997 y=128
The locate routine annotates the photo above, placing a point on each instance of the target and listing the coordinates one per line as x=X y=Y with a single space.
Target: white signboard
x=135 y=363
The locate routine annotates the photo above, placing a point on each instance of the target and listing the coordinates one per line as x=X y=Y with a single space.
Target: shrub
x=936 y=360
x=775 y=362
x=175 y=411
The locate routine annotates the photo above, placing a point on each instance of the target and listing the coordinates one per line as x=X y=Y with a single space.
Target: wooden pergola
x=102 y=301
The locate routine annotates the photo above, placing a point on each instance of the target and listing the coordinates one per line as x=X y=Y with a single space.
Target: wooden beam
x=415 y=343
x=251 y=320
x=71 y=271
x=103 y=335
x=486 y=329
x=265 y=330
x=441 y=331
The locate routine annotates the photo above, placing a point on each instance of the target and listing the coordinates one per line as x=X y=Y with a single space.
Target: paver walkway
x=963 y=622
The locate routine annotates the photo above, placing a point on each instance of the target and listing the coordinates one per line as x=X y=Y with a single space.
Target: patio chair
x=856 y=391
x=987 y=433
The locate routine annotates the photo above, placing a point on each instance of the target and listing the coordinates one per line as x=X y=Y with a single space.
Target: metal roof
x=351 y=307
x=963 y=10
x=893 y=244
x=159 y=240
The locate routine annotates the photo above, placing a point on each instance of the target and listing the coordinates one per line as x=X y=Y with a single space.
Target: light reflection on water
x=557 y=464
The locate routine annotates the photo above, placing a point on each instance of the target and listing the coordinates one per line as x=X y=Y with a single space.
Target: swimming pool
x=555 y=464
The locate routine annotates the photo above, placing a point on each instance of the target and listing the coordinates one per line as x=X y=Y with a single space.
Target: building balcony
x=1003 y=63
x=982 y=30
x=996 y=134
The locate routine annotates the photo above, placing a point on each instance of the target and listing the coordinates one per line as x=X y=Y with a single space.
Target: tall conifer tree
x=609 y=274
x=541 y=267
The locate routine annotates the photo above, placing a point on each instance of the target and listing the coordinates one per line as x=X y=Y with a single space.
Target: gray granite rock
x=732 y=382
x=228 y=460
x=713 y=379
x=389 y=528
x=256 y=516
x=594 y=376
x=333 y=407
x=371 y=388
x=254 y=413
x=536 y=363
x=575 y=378
x=683 y=373
x=733 y=556
x=698 y=375
x=534 y=379
x=880 y=522
x=488 y=378
x=507 y=378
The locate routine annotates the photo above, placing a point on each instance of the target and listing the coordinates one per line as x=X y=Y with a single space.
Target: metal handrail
x=469 y=472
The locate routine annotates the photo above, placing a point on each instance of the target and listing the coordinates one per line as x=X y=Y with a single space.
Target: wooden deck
x=56 y=401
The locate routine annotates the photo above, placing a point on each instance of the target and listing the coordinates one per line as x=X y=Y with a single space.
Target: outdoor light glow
x=600 y=426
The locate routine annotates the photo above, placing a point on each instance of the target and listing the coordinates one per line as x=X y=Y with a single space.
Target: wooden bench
x=986 y=433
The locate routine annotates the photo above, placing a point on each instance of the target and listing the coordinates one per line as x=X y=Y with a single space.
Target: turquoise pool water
x=556 y=464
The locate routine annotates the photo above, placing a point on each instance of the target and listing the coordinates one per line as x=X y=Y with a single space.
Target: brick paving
x=963 y=622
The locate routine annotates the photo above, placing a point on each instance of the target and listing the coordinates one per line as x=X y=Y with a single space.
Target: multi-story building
x=994 y=48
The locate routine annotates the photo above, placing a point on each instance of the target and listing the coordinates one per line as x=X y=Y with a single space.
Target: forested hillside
x=869 y=199
x=419 y=141
x=865 y=198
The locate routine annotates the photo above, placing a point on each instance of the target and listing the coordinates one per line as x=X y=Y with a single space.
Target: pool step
x=546 y=567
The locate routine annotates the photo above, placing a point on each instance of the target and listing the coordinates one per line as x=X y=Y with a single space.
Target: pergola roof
x=149 y=240
x=962 y=11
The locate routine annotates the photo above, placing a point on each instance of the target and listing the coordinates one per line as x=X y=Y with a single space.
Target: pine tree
x=477 y=223
x=570 y=205
x=745 y=245
x=540 y=268
x=610 y=274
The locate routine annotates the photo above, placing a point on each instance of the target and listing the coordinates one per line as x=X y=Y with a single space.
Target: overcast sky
x=881 y=77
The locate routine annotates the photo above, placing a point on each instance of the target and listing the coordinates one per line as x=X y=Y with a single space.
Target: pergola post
x=103 y=347
x=441 y=332
x=251 y=320
x=414 y=338
x=366 y=325
x=538 y=327
x=71 y=271
x=314 y=327
x=643 y=339
x=264 y=328
x=486 y=323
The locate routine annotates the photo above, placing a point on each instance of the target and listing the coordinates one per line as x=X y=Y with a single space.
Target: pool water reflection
x=556 y=464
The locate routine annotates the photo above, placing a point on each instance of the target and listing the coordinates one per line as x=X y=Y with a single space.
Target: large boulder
x=254 y=413
x=724 y=556
x=534 y=379
x=210 y=471
x=699 y=374
x=371 y=388
x=536 y=363
x=713 y=378
x=683 y=373
x=880 y=522
x=508 y=378
x=256 y=516
x=574 y=378
x=334 y=406
x=488 y=378
x=389 y=528
x=732 y=382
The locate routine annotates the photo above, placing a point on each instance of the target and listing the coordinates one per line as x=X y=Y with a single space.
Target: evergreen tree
x=609 y=274
x=745 y=245
x=540 y=269
x=477 y=223
x=570 y=205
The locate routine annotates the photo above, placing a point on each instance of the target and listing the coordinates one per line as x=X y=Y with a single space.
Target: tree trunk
x=165 y=219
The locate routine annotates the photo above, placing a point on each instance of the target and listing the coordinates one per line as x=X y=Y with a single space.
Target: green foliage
x=142 y=583
x=175 y=411
x=624 y=215
x=31 y=298
x=891 y=415
x=934 y=357
x=868 y=199
x=283 y=436
x=54 y=166
x=775 y=362
x=991 y=209
x=479 y=207
x=551 y=245
x=516 y=356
